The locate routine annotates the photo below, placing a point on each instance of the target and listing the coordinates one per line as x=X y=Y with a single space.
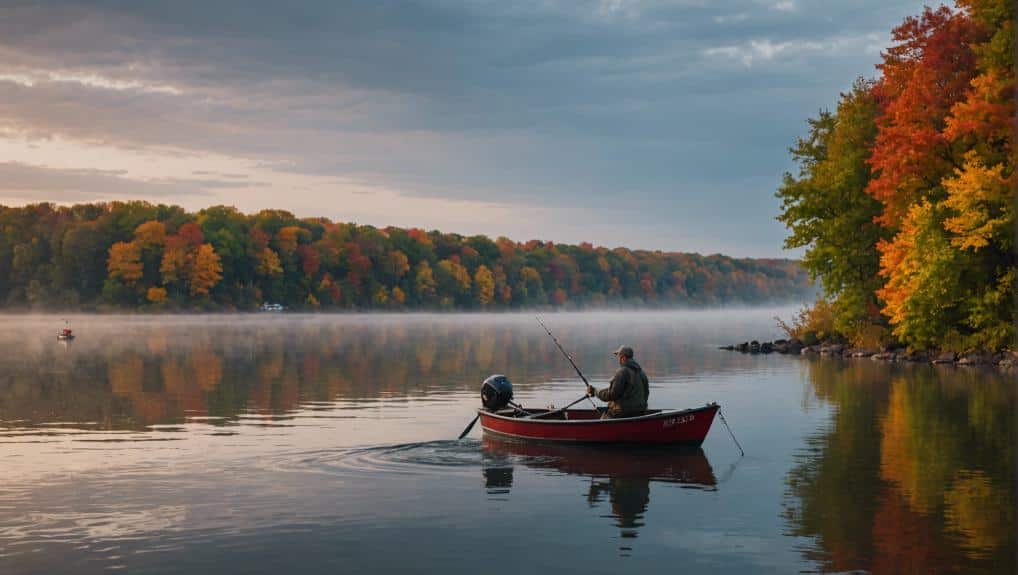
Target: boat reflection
x=622 y=475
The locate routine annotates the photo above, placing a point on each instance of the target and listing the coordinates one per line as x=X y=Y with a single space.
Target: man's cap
x=624 y=350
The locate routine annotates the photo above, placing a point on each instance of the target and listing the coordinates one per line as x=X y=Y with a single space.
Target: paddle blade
x=469 y=427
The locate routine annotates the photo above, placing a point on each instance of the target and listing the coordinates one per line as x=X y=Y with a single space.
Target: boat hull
x=663 y=427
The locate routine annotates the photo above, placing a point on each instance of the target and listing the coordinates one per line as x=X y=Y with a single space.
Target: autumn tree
x=398 y=297
x=124 y=262
x=424 y=283
x=941 y=171
x=174 y=264
x=287 y=239
x=268 y=263
x=452 y=279
x=331 y=290
x=950 y=265
x=980 y=221
x=150 y=234
x=923 y=74
x=395 y=266
x=205 y=272
x=156 y=295
x=484 y=286
x=828 y=211
x=980 y=203
x=922 y=292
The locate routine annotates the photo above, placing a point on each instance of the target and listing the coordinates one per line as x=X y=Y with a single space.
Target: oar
x=569 y=357
x=469 y=427
x=515 y=406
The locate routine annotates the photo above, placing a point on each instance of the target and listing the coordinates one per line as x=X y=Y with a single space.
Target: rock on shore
x=1007 y=359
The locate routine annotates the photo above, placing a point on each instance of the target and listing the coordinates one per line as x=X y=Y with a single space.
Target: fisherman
x=627 y=393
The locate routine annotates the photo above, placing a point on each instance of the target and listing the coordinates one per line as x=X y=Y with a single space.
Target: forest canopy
x=128 y=255
x=905 y=196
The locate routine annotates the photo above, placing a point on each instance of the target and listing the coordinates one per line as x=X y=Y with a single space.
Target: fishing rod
x=569 y=357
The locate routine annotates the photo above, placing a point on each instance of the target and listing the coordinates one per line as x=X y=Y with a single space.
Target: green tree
x=453 y=281
x=828 y=211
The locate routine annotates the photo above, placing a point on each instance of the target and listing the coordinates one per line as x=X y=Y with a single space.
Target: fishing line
x=568 y=357
x=723 y=420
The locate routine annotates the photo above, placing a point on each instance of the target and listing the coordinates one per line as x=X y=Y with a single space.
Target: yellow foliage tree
x=923 y=276
x=983 y=204
x=268 y=263
x=397 y=264
x=287 y=238
x=381 y=296
x=424 y=282
x=484 y=286
x=398 y=297
x=124 y=262
x=174 y=263
x=459 y=274
x=150 y=234
x=156 y=295
x=206 y=270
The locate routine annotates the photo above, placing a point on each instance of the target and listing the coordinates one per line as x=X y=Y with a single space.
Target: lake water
x=310 y=444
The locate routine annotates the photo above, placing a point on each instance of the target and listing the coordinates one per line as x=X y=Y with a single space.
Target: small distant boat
x=271 y=307
x=65 y=334
x=686 y=427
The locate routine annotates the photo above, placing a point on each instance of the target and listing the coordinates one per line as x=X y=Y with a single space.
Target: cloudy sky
x=651 y=124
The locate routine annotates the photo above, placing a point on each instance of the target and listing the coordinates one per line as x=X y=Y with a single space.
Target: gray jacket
x=627 y=394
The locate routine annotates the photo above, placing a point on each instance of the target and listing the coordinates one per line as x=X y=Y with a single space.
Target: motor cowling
x=496 y=392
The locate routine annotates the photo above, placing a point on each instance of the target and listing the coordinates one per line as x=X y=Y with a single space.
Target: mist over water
x=290 y=443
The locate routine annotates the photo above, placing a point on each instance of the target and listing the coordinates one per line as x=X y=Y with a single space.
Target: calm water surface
x=308 y=444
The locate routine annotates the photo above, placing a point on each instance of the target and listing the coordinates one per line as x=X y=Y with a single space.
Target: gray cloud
x=35 y=183
x=685 y=108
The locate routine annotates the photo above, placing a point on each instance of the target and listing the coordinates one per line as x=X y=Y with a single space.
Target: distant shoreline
x=139 y=256
x=783 y=306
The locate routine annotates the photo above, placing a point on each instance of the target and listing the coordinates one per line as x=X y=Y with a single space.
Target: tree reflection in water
x=914 y=474
x=620 y=474
x=130 y=374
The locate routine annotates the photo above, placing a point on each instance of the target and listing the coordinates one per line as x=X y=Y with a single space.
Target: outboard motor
x=496 y=392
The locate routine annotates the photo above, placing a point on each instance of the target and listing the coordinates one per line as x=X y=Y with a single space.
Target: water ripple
x=438 y=457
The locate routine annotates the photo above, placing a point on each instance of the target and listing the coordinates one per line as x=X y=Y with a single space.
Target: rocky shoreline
x=1006 y=360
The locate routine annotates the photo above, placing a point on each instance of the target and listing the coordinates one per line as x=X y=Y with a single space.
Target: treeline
x=140 y=255
x=905 y=196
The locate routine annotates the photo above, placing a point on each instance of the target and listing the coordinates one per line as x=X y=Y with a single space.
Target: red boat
x=656 y=426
